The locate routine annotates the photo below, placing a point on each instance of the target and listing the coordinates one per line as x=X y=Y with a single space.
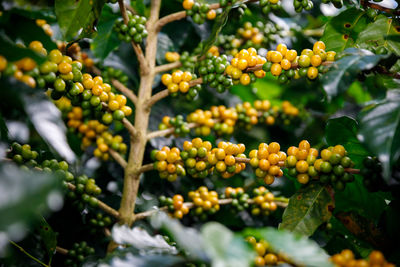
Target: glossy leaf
x=347 y=137
x=106 y=39
x=380 y=130
x=186 y=238
x=216 y=237
x=24 y=194
x=308 y=208
x=76 y=16
x=342 y=30
x=13 y=52
x=49 y=238
x=344 y=72
x=300 y=250
x=375 y=34
x=47 y=120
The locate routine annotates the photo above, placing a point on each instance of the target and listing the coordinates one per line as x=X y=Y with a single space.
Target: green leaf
x=342 y=30
x=344 y=72
x=139 y=6
x=3 y=129
x=216 y=237
x=380 y=130
x=74 y=16
x=375 y=34
x=24 y=194
x=106 y=39
x=219 y=23
x=49 y=238
x=356 y=197
x=343 y=131
x=13 y=52
x=164 y=45
x=299 y=249
x=308 y=208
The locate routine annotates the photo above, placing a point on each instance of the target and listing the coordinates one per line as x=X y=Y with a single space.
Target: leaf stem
x=27 y=254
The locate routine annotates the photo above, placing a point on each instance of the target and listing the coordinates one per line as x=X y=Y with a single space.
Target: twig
x=168 y=131
x=379 y=7
x=100 y=203
x=27 y=254
x=61 y=250
x=125 y=90
x=107 y=232
x=144 y=68
x=280 y=202
x=146 y=168
x=167 y=67
x=157 y=97
x=117 y=157
x=351 y=170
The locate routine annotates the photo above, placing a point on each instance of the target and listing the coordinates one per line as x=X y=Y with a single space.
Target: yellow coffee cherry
x=282 y=48
x=276 y=69
x=316 y=60
x=312 y=73
x=211 y=14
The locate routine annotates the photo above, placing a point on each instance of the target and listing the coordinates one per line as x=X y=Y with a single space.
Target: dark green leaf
x=13 y=52
x=3 y=129
x=75 y=16
x=343 y=131
x=344 y=72
x=299 y=249
x=380 y=130
x=24 y=194
x=374 y=34
x=308 y=208
x=49 y=238
x=343 y=29
x=139 y=6
x=106 y=39
x=356 y=197
x=216 y=237
x=164 y=45
x=29 y=10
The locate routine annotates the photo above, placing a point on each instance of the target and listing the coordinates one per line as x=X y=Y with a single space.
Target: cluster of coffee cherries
x=246 y=58
x=221 y=119
x=252 y=36
x=194 y=156
x=134 y=30
x=225 y=158
x=178 y=124
x=228 y=43
x=265 y=256
x=23 y=154
x=240 y=199
x=249 y=115
x=267 y=161
x=93 y=130
x=205 y=202
x=176 y=206
x=347 y=258
x=45 y=26
x=213 y=50
x=179 y=81
x=78 y=253
x=299 y=5
x=198 y=11
x=263 y=202
x=212 y=69
x=168 y=163
x=302 y=162
x=372 y=173
x=99 y=94
x=268 y=5
x=99 y=221
x=86 y=192
x=287 y=64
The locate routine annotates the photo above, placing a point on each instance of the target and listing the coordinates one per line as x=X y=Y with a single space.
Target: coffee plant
x=199 y=133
